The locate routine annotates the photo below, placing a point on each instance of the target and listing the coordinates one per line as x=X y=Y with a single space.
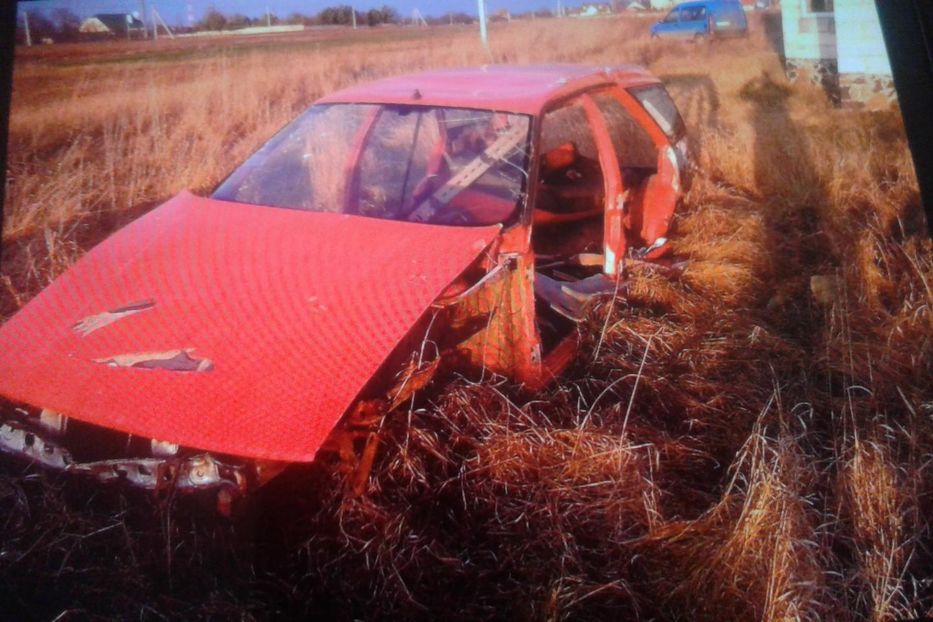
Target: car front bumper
x=194 y=472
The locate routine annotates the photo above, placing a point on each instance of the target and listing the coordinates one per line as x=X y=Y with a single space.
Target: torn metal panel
x=23 y=442
x=91 y=323
x=356 y=438
x=171 y=360
x=192 y=473
x=572 y=299
x=501 y=307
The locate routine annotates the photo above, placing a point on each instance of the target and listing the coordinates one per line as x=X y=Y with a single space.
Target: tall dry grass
x=739 y=441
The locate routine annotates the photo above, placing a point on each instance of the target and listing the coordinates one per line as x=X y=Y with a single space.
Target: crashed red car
x=461 y=217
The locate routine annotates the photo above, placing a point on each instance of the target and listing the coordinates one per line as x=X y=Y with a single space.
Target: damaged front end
x=110 y=457
x=136 y=342
x=164 y=469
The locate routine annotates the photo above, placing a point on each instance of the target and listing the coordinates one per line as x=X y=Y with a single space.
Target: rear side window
x=692 y=14
x=568 y=125
x=661 y=107
x=633 y=146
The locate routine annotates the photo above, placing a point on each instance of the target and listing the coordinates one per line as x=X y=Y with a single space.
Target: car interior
x=570 y=204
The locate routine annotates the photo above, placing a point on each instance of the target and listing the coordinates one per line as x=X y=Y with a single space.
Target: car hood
x=228 y=327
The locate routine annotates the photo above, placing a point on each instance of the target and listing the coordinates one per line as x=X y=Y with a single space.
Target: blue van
x=702 y=20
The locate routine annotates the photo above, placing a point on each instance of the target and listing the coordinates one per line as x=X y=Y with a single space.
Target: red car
x=461 y=217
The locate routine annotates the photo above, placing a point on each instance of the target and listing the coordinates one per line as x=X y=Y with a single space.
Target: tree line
x=341 y=15
x=62 y=24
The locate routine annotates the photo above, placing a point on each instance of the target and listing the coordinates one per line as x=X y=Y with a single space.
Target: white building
x=838 y=44
x=113 y=25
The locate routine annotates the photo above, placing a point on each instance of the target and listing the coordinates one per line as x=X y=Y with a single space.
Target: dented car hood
x=228 y=327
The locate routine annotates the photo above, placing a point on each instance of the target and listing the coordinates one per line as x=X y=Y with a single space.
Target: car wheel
x=701 y=38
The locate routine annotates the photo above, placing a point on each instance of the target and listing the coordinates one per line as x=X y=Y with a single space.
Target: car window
x=633 y=146
x=671 y=17
x=304 y=166
x=395 y=159
x=692 y=14
x=442 y=165
x=570 y=173
x=568 y=125
x=656 y=100
x=399 y=162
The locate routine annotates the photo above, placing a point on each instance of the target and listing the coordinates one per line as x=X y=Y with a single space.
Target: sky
x=175 y=11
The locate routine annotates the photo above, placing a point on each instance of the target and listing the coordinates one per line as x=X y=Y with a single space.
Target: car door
x=574 y=203
x=578 y=183
x=657 y=102
x=693 y=21
x=668 y=27
x=650 y=170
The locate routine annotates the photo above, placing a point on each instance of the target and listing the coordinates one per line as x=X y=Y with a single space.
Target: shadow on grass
x=75 y=550
x=791 y=195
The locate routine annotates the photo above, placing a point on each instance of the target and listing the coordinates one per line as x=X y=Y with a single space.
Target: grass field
x=741 y=442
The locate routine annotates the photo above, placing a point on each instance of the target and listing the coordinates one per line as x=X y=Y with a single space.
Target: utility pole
x=481 y=7
x=268 y=17
x=26 y=23
x=142 y=16
x=156 y=20
x=560 y=9
x=353 y=17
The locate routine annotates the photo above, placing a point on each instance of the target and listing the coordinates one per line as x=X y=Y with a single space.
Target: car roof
x=510 y=88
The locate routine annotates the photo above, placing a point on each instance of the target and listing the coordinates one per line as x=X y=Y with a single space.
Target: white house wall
x=861 y=45
x=864 y=71
x=807 y=35
x=842 y=51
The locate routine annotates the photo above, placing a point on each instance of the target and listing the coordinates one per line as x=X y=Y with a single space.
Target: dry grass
x=734 y=448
